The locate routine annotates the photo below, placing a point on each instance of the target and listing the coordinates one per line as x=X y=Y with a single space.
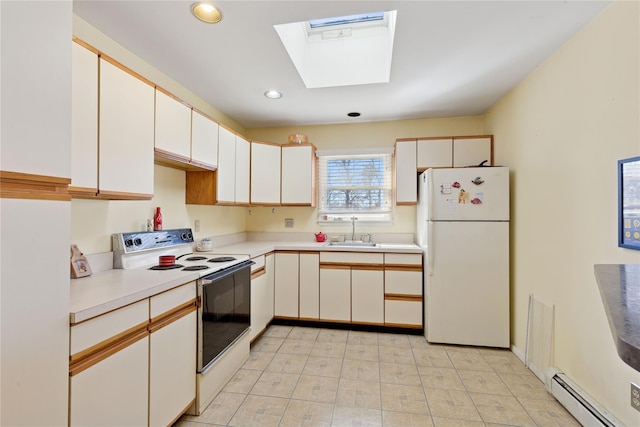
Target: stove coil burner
x=196 y=258
x=166 y=267
x=195 y=268
x=222 y=259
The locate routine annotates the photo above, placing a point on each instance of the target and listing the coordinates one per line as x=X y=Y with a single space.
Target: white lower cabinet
x=113 y=392
x=367 y=295
x=261 y=294
x=109 y=368
x=135 y=365
x=286 y=284
x=335 y=293
x=403 y=290
x=172 y=354
x=309 y=285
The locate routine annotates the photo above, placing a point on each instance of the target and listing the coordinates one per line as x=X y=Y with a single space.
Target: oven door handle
x=205 y=282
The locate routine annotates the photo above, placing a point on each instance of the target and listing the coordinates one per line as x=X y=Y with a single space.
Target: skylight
x=344 y=20
x=343 y=50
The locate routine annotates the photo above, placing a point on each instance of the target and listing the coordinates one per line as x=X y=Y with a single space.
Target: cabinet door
x=172 y=354
x=226 y=173
x=243 y=159
x=403 y=313
x=204 y=141
x=406 y=173
x=309 y=286
x=126 y=134
x=335 y=293
x=172 y=367
x=367 y=295
x=173 y=127
x=434 y=153
x=472 y=151
x=265 y=174
x=84 y=121
x=298 y=175
x=286 y=284
x=259 y=298
x=115 y=391
x=269 y=264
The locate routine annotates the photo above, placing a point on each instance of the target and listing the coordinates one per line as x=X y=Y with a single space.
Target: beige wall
x=561 y=131
x=362 y=135
x=93 y=221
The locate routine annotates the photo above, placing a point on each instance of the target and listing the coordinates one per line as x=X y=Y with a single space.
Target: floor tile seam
x=485 y=421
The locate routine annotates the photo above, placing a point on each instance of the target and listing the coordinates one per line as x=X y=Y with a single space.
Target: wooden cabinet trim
x=403 y=325
x=158 y=152
x=402 y=297
x=172 y=96
x=261 y=271
x=19 y=185
x=351 y=265
x=85 y=359
x=83 y=192
x=171 y=316
x=403 y=267
x=120 y=195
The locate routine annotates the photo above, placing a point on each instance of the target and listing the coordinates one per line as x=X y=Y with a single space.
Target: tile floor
x=298 y=376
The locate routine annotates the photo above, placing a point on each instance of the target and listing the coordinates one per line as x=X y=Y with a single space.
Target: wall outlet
x=197 y=225
x=635 y=397
x=288 y=223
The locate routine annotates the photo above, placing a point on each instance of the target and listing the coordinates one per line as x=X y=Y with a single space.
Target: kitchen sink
x=354 y=243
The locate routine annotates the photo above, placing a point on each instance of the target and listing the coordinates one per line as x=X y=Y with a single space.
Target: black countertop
x=620 y=291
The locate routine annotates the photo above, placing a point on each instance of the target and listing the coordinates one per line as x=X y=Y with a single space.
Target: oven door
x=224 y=311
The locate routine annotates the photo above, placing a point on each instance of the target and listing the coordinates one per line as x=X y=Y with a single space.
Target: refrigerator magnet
x=445 y=189
x=477 y=199
x=456 y=184
x=463 y=197
x=477 y=180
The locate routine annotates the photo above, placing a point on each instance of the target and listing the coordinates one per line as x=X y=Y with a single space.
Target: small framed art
x=629 y=203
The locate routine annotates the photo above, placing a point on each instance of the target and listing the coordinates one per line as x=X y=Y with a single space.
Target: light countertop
x=112 y=289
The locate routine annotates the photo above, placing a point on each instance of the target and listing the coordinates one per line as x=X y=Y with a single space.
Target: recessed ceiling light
x=353 y=114
x=206 y=12
x=273 y=94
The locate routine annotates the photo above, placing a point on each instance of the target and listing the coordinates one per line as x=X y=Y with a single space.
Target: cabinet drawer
x=259 y=263
x=403 y=259
x=352 y=257
x=403 y=282
x=107 y=326
x=168 y=300
x=401 y=313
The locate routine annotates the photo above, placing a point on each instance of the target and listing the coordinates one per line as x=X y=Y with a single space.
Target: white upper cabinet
x=84 y=122
x=406 y=173
x=204 y=141
x=126 y=131
x=243 y=159
x=226 y=173
x=298 y=175
x=265 y=173
x=472 y=151
x=434 y=153
x=173 y=127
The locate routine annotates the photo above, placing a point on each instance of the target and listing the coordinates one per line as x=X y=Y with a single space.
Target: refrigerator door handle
x=430 y=250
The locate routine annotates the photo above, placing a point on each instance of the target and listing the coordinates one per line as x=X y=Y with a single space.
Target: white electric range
x=223 y=300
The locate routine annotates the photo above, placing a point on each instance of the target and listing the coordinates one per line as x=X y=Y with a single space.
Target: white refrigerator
x=463 y=229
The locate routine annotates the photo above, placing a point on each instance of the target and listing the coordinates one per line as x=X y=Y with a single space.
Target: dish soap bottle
x=157 y=220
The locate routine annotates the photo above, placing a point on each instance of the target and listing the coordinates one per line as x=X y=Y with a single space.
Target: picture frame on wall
x=629 y=203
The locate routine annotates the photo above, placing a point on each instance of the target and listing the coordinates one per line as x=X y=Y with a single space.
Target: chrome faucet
x=353 y=228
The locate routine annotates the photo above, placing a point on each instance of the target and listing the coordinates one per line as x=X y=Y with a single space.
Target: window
x=354 y=184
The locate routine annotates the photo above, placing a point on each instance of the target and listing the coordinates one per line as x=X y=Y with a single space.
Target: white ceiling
x=450 y=58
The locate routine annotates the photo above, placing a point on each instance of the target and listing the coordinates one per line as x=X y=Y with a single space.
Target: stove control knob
x=186 y=236
x=137 y=241
x=128 y=243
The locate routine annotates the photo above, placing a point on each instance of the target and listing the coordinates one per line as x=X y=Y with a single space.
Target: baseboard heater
x=578 y=403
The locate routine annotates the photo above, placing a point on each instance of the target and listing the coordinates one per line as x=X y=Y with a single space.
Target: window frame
x=338 y=216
